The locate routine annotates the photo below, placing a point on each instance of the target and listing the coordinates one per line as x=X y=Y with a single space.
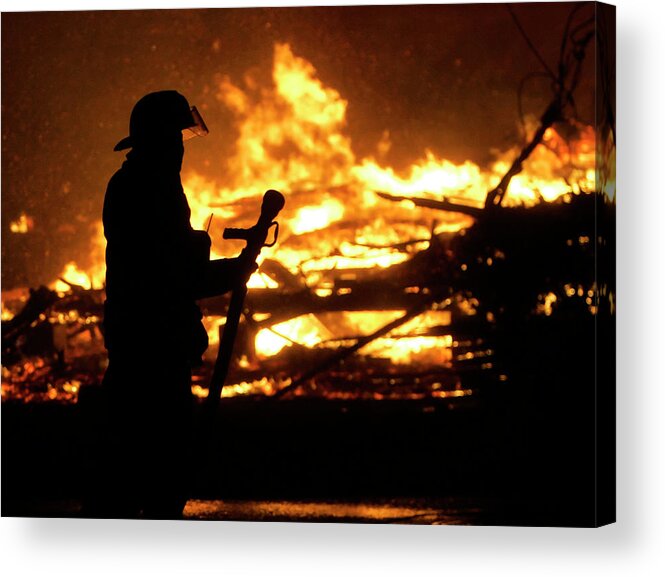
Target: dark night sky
x=437 y=77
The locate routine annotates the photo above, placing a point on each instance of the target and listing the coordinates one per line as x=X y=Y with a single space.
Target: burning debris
x=423 y=328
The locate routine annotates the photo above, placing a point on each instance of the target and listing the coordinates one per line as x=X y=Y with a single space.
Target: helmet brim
x=124 y=144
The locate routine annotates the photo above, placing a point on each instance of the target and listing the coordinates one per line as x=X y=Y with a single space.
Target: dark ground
x=470 y=461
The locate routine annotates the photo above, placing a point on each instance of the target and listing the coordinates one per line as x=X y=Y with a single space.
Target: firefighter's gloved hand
x=246 y=267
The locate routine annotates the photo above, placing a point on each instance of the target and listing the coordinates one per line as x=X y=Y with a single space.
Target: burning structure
x=439 y=280
x=351 y=269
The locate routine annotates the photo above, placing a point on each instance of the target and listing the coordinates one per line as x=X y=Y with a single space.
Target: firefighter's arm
x=222 y=275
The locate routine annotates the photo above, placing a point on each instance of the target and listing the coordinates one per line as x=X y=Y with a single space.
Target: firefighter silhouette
x=157 y=265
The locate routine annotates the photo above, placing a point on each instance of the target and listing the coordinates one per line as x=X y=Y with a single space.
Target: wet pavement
x=402 y=512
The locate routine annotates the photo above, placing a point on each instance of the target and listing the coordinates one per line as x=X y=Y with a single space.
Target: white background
x=634 y=546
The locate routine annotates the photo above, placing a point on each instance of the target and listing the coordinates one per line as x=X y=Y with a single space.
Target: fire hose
x=255 y=237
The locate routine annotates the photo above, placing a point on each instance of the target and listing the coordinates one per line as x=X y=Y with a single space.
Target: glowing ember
x=7 y=315
x=545 y=304
x=264 y=386
x=407 y=350
x=22 y=225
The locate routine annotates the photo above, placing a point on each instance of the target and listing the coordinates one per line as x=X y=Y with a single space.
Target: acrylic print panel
x=431 y=337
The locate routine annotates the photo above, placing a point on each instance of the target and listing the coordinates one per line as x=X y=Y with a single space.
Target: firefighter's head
x=162 y=120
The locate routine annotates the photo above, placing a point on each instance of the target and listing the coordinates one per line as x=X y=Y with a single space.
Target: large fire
x=291 y=137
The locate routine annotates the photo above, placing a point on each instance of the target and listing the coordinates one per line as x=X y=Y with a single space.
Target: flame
x=260 y=280
x=263 y=386
x=7 y=315
x=546 y=173
x=407 y=350
x=311 y=218
x=291 y=135
x=93 y=276
x=432 y=177
x=71 y=274
x=401 y=346
x=288 y=135
x=305 y=330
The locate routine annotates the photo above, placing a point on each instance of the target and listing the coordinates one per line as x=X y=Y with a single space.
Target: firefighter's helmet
x=160 y=113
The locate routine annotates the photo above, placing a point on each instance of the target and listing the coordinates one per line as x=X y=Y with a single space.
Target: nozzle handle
x=273 y=202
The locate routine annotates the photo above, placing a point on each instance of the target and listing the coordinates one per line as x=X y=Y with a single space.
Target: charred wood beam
x=444 y=204
x=41 y=299
x=286 y=305
x=400 y=246
x=551 y=115
x=462 y=340
x=305 y=192
x=86 y=302
x=338 y=356
x=565 y=82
